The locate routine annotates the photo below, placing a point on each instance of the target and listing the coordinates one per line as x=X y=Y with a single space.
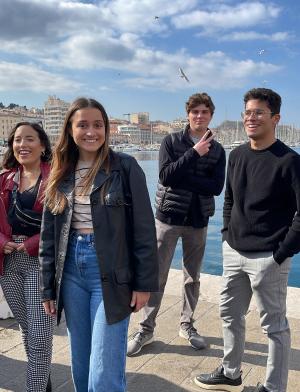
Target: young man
x=261 y=233
x=191 y=172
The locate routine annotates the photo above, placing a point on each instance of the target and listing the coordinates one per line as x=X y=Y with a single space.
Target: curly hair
x=198 y=99
x=272 y=99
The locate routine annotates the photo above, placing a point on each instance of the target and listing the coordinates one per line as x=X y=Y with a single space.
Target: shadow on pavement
x=259 y=357
x=139 y=382
x=13 y=374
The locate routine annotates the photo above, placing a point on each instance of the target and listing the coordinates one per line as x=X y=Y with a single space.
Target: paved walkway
x=169 y=364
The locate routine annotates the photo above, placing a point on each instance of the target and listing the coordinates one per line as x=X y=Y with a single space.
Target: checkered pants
x=20 y=285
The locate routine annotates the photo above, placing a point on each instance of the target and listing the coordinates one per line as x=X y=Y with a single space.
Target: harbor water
x=212 y=264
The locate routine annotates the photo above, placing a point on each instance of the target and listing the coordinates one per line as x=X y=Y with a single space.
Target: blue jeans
x=98 y=350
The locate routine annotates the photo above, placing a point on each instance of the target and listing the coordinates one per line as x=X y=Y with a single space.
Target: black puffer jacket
x=125 y=238
x=187 y=181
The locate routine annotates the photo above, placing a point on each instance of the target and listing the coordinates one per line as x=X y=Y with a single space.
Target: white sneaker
x=139 y=340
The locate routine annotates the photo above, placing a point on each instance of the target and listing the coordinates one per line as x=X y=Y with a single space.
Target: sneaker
x=195 y=340
x=217 y=381
x=139 y=340
x=260 y=388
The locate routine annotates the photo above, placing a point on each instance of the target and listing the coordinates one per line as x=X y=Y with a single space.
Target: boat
x=125 y=147
x=237 y=143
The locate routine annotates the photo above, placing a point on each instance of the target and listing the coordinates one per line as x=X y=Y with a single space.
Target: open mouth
x=252 y=126
x=24 y=153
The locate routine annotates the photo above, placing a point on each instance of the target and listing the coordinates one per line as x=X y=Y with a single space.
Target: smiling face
x=260 y=127
x=199 y=118
x=88 y=132
x=27 y=146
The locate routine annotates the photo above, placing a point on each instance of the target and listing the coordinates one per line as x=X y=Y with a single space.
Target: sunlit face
x=27 y=146
x=199 y=118
x=88 y=132
x=260 y=127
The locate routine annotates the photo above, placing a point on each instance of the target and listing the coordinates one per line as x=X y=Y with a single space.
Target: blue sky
x=127 y=53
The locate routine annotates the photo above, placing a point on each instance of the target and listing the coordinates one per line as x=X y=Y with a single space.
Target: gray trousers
x=244 y=274
x=193 y=246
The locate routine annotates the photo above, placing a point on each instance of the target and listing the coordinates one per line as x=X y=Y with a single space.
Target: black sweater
x=262 y=200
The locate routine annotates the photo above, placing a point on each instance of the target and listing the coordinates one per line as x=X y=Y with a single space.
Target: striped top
x=81 y=218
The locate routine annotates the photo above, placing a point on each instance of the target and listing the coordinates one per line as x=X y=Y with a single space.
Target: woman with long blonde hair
x=98 y=246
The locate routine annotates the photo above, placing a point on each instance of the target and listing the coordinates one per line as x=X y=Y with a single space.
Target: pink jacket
x=6 y=185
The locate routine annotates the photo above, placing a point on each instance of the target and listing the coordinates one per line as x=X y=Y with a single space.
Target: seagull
x=261 y=51
x=183 y=75
x=156 y=17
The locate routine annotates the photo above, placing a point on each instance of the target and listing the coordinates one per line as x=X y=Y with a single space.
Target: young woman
x=22 y=186
x=98 y=246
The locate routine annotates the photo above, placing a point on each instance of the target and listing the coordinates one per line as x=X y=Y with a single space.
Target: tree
x=12 y=106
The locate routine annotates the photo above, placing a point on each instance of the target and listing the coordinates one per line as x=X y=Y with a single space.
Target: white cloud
x=214 y=70
x=228 y=17
x=24 y=77
x=139 y=16
x=254 y=35
x=62 y=18
x=112 y=34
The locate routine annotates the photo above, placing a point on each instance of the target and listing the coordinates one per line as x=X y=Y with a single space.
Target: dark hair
x=9 y=160
x=272 y=99
x=198 y=99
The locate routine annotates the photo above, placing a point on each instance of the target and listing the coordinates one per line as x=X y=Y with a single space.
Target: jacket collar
x=14 y=175
x=67 y=184
x=102 y=176
x=186 y=135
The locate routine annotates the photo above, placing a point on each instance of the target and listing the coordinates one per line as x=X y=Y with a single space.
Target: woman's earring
x=43 y=153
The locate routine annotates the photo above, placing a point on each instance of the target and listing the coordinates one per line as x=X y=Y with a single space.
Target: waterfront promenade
x=169 y=364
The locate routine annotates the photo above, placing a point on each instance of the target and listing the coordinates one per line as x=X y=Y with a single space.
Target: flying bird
x=261 y=51
x=156 y=17
x=183 y=75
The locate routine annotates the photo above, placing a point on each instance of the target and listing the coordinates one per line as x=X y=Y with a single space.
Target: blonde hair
x=65 y=156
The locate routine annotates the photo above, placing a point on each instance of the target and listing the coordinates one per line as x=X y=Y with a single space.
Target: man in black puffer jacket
x=191 y=173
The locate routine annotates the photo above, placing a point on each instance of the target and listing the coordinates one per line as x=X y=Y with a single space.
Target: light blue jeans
x=98 y=350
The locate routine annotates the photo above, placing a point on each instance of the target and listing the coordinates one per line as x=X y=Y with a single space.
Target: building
x=162 y=127
x=179 y=124
x=55 y=110
x=7 y=122
x=146 y=133
x=10 y=117
x=139 y=118
x=133 y=133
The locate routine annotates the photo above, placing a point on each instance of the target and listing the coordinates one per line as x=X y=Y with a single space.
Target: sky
x=127 y=53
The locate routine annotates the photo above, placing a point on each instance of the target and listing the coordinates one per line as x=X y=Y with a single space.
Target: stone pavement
x=169 y=364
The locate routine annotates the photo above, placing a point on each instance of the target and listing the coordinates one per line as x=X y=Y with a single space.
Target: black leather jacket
x=125 y=238
x=188 y=182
